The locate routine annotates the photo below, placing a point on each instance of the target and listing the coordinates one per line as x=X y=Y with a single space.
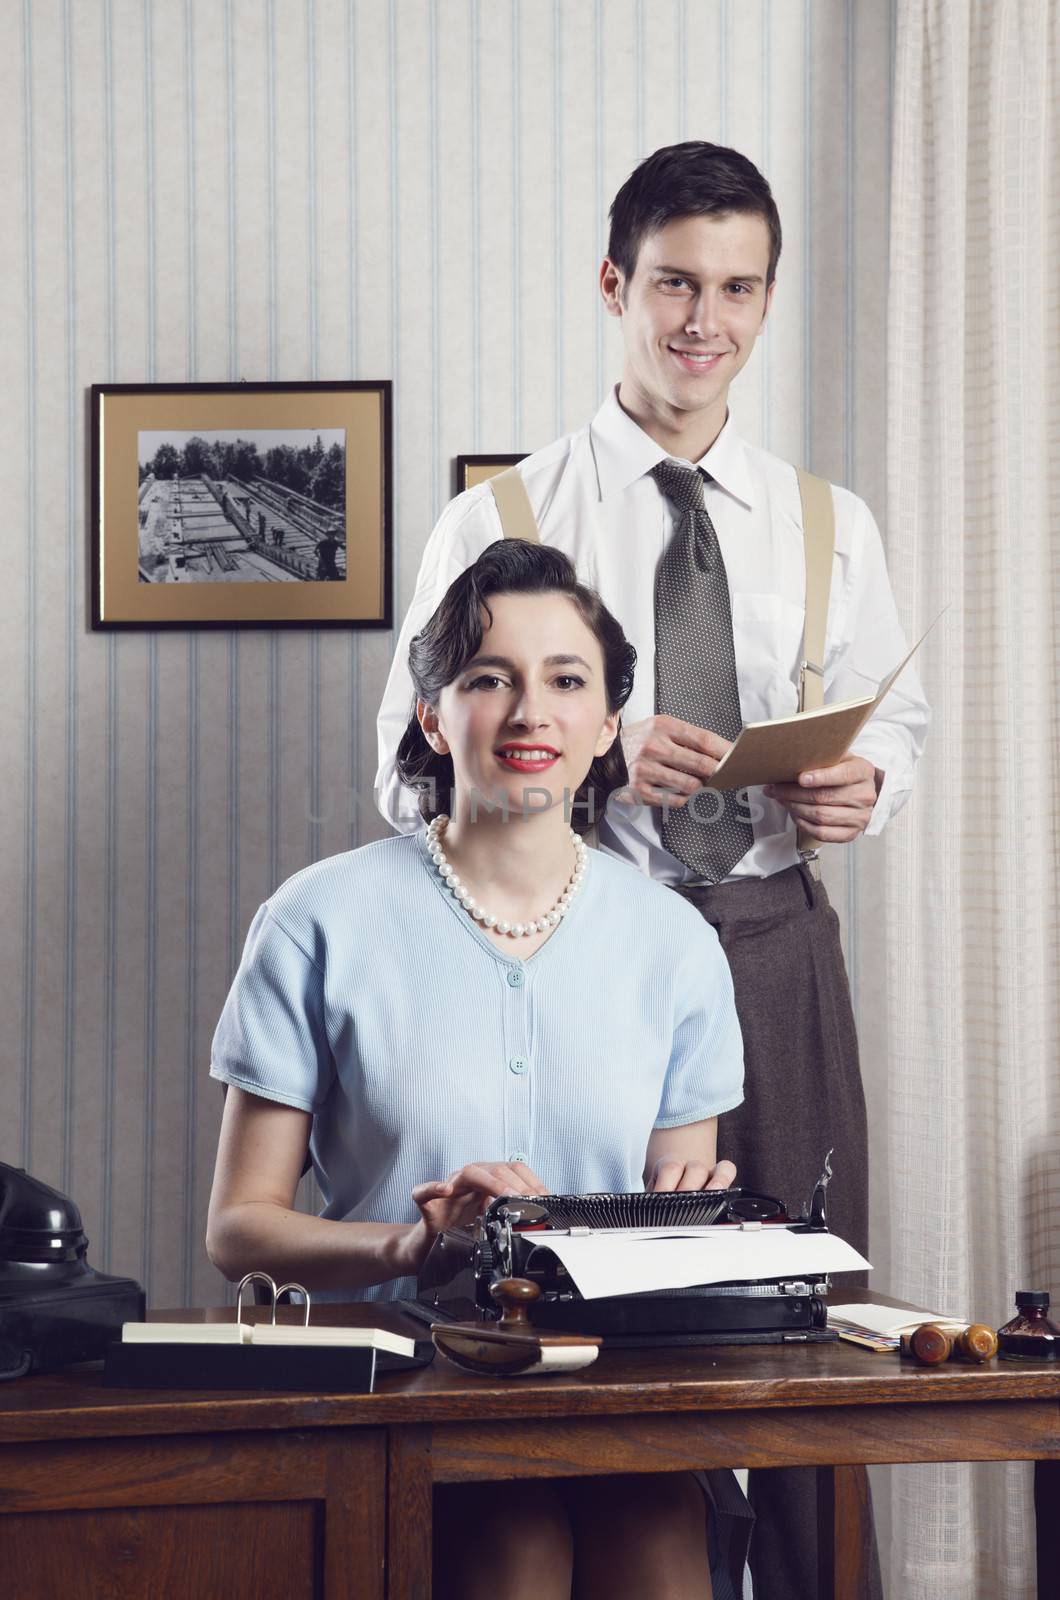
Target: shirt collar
x=623 y=452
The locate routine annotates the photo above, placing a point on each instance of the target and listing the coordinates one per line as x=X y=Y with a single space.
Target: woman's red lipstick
x=509 y=756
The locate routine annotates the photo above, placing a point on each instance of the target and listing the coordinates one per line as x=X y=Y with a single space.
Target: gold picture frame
x=242 y=505
x=471 y=470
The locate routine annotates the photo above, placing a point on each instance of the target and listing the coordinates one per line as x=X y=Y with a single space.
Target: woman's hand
x=672 y=1172
x=686 y=1158
x=464 y=1195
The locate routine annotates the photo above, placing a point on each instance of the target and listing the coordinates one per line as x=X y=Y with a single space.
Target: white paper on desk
x=890 y=1321
x=616 y=1263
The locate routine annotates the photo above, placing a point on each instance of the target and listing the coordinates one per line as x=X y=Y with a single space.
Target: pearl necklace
x=517 y=930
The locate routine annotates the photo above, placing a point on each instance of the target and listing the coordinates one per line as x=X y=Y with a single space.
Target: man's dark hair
x=694 y=179
x=452 y=637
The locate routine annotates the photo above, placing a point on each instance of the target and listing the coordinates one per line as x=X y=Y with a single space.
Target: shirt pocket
x=767 y=635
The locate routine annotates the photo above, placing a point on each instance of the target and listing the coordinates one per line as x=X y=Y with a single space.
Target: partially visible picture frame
x=471 y=470
x=242 y=505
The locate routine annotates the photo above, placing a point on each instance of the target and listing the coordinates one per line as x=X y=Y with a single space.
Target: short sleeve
x=705 y=1074
x=271 y=1039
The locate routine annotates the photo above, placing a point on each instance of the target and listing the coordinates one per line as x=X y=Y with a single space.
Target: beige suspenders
x=513 y=504
x=818 y=530
x=818 y=537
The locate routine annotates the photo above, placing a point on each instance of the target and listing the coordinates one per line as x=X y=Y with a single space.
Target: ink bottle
x=1030 y=1336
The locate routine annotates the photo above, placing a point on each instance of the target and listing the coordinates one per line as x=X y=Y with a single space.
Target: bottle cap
x=1032 y=1297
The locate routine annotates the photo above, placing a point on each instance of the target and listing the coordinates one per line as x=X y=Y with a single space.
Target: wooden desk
x=152 y=1492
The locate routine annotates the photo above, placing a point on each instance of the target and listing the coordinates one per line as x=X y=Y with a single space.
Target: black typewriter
x=510 y=1240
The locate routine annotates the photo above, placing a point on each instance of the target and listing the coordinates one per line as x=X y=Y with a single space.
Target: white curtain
x=970 y=1021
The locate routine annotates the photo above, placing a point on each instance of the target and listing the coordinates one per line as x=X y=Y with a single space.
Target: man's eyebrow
x=683 y=272
x=509 y=666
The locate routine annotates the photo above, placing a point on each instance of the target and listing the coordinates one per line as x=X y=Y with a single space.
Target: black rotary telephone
x=54 y=1307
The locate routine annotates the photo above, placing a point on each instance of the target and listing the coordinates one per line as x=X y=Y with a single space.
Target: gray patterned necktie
x=695 y=669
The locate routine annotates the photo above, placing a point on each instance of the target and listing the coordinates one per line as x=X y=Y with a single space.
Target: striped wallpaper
x=265 y=189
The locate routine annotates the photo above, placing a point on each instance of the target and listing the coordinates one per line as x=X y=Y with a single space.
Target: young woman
x=484 y=1008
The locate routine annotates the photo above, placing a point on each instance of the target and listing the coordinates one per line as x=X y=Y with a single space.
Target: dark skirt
x=802 y=1097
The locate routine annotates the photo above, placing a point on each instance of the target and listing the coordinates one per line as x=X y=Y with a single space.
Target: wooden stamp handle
x=928 y=1344
x=931 y=1345
x=976 y=1343
x=515 y=1296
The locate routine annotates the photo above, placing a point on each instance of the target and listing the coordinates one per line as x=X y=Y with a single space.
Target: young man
x=694 y=539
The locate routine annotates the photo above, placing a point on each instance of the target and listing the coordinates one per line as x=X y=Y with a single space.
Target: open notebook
x=267 y=1333
x=301 y=1357
x=778 y=750
x=264 y=1355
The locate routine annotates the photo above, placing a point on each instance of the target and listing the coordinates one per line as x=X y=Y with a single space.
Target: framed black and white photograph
x=241 y=505
x=477 y=469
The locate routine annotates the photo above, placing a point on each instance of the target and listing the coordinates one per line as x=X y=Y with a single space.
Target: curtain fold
x=970 y=884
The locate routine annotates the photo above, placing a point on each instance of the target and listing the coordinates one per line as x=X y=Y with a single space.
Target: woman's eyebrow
x=489 y=661
x=567 y=661
x=509 y=666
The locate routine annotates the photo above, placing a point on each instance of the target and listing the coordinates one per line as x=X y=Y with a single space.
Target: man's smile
x=696 y=360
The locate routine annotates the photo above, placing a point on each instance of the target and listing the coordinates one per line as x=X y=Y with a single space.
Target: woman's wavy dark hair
x=453 y=637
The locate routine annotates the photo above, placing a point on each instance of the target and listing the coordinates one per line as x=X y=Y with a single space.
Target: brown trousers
x=802 y=1097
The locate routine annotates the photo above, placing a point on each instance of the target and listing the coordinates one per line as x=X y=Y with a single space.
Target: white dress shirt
x=594 y=499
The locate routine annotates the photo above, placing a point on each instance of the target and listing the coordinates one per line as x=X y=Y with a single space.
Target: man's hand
x=673 y=1172
x=669 y=760
x=464 y=1195
x=834 y=804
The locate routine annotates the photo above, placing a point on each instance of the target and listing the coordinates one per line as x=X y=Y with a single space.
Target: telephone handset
x=54 y=1308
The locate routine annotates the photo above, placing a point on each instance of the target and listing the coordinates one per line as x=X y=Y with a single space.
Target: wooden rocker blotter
x=513 y=1347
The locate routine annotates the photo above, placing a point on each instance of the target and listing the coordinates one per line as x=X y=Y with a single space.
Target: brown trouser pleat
x=802 y=1097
